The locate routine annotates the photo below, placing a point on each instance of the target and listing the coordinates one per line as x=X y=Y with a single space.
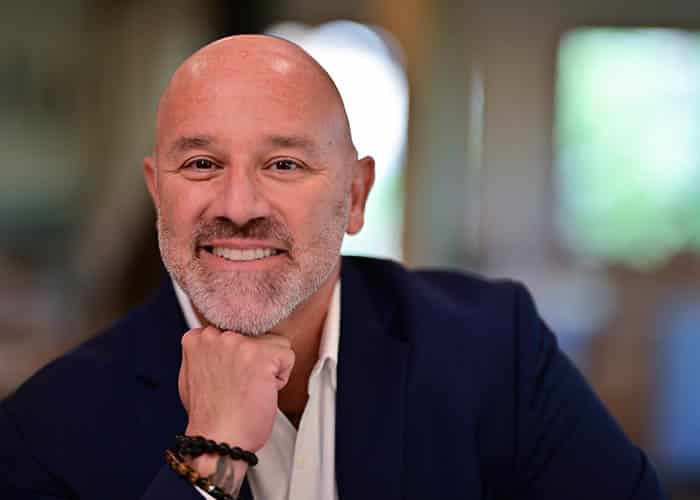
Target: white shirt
x=298 y=465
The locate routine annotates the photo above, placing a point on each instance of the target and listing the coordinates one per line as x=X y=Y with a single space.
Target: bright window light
x=373 y=85
x=628 y=143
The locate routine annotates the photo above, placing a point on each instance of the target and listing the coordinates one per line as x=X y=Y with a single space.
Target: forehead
x=248 y=98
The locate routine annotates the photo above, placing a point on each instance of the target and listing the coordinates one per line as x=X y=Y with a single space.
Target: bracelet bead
x=195 y=446
x=193 y=477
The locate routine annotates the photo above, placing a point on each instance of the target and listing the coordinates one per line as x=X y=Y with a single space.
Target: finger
x=194 y=331
x=182 y=381
x=285 y=360
x=210 y=331
x=182 y=388
x=190 y=338
x=274 y=339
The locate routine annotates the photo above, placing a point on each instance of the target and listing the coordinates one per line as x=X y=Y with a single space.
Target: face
x=255 y=186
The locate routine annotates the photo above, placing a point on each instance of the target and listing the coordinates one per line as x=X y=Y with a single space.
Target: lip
x=243 y=244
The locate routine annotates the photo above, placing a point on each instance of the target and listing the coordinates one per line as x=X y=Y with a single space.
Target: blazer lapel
x=370 y=392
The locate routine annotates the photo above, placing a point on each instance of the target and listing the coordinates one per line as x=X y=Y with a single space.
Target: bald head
x=242 y=71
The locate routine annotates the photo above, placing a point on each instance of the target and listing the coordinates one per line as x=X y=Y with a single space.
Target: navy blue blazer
x=449 y=387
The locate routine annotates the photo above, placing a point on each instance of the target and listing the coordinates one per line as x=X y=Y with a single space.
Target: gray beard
x=240 y=303
x=254 y=303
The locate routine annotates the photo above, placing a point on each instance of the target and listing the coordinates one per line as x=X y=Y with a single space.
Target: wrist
x=207 y=465
x=228 y=435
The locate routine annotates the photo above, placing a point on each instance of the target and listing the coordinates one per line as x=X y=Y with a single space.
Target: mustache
x=260 y=228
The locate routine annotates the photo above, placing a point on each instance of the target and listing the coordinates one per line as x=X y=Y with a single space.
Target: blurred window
x=628 y=143
x=366 y=67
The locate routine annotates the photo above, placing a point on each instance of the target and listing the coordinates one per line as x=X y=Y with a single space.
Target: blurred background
x=554 y=142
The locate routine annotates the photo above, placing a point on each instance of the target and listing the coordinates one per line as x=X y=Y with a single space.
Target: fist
x=228 y=384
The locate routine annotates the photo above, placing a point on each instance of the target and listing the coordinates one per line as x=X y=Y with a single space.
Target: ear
x=149 y=173
x=362 y=182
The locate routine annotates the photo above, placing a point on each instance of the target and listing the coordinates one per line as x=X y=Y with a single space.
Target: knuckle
x=230 y=336
x=280 y=340
x=188 y=338
x=209 y=331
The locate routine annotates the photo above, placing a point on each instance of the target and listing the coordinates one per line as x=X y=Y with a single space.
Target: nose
x=239 y=197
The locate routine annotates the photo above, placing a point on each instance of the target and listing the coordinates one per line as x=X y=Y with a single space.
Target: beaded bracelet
x=193 y=477
x=195 y=446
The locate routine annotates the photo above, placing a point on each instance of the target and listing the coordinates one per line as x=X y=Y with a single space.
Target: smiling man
x=255 y=180
x=311 y=376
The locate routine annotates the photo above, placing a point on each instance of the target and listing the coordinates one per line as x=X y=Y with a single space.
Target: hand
x=228 y=384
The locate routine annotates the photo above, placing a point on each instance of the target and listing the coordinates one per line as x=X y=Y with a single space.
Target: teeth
x=243 y=255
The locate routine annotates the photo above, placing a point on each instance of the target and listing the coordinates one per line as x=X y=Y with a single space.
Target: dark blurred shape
x=80 y=84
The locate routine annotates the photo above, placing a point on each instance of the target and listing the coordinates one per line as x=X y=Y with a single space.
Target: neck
x=306 y=322
x=304 y=328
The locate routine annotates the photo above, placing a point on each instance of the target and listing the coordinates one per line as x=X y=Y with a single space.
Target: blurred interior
x=554 y=142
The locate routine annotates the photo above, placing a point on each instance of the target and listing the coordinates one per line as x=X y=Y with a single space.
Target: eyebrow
x=185 y=143
x=293 y=141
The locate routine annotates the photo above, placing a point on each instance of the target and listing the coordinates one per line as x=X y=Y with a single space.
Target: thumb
x=286 y=363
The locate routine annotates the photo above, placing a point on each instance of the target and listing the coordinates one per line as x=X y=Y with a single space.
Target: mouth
x=242 y=255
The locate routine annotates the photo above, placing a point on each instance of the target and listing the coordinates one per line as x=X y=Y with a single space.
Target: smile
x=249 y=254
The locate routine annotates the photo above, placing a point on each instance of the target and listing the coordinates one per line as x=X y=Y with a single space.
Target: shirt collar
x=187 y=310
x=330 y=340
x=330 y=337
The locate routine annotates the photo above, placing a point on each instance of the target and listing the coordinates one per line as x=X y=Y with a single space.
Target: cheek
x=311 y=218
x=180 y=205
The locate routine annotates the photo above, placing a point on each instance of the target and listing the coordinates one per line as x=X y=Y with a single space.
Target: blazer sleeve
x=566 y=444
x=24 y=477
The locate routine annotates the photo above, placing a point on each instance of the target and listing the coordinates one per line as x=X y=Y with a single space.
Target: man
x=349 y=378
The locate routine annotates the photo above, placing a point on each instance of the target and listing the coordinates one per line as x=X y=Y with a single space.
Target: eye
x=200 y=169
x=285 y=165
x=201 y=164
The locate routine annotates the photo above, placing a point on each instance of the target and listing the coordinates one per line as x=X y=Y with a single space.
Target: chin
x=242 y=317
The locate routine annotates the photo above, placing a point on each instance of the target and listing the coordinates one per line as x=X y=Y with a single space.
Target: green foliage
x=628 y=143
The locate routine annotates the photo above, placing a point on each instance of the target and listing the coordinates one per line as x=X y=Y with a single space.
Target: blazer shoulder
x=97 y=363
x=443 y=293
x=472 y=324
